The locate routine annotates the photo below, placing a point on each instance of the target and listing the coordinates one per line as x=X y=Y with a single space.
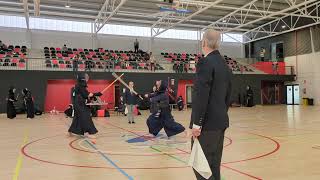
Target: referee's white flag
x=198 y=160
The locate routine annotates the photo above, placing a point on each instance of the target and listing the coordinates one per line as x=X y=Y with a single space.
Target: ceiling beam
x=36 y=7
x=109 y=6
x=244 y=23
x=26 y=12
x=157 y=28
x=285 y=24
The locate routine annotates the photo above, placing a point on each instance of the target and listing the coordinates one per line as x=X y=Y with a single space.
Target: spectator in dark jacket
x=131 y=101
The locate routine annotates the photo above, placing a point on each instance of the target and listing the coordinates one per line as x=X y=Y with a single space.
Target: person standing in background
x=136 y=46
x=11 y=110
x=211 y=100
x=130 y=99
x=262 y=53
x=75 y=63
x=28 y=101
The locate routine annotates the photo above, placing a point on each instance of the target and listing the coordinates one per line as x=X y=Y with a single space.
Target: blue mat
x=141 y=139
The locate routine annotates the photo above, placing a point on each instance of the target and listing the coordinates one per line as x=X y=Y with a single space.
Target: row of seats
x=89 y=58
x=235 y=66
x=13 y=56
x=99 y=65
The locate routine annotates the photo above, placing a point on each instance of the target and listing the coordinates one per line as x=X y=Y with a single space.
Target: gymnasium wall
x=308 y=74
x=294 y=43
x=37 y=82
x=37 y=39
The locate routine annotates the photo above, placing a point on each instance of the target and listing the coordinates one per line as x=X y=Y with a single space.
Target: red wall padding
x=58 y=93
x=266 y=67
x=182 y=88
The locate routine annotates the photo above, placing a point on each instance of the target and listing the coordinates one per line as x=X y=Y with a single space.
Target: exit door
x=293 y=95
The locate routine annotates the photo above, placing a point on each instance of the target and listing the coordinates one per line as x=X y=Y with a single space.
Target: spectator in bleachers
x=275 y=67
x=3 y=47
x=152 y=62
x=136 y=46
x=76 y=62
x=262 y=53
x=65 y=48
x=88 y=65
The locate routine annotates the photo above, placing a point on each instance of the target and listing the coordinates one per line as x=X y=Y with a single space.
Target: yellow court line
x=20 y=157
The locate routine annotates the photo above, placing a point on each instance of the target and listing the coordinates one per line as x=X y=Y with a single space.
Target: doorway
x=293 y=94
x=189 y=89
x=272 y=92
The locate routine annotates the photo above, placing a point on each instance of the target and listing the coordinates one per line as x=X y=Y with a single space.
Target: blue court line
x=110 y=161
x=106 y=158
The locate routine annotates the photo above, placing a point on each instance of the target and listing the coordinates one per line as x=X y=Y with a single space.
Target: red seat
x=14 y=60
x=82 y=66
x=71 y=55
x=17 y=50
x=21 y=65
x=54 y=61
x=142 y=64
x=80 y=50
x=58 y=49
x=101 y=50
x=66 y=58
x=62 y=66
x=2 y=55
x=130 y=67
x=92 y=53
x=117 y=67
x=59 y=55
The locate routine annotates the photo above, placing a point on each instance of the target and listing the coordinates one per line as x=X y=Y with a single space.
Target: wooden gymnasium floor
x=264 y=142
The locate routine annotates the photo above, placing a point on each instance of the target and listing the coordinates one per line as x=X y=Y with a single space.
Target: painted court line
x=110 y=161
x=178 y=159
x=235 y=170
x=20 y=158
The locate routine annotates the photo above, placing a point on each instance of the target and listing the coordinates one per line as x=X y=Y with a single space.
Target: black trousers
x=212 y=146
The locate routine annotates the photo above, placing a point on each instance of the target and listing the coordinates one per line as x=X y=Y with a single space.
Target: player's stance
x=161 y=116
x=82 y=122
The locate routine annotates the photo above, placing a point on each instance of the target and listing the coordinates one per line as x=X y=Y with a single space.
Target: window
x=12 y=21
x=179 y=34
x=60 y=25
x=230 y=37
x=126 y=30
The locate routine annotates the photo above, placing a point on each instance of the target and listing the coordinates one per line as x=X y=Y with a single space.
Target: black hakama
x=161 y=117
x=164 y=121
x=28 y=101
x=82 y=121
x=11 y=110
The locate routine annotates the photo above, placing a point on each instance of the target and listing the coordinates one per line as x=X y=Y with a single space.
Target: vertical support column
x=29 y=39
x=94 y=37
x=199 y=41
x=151 y=42
x=312 y=42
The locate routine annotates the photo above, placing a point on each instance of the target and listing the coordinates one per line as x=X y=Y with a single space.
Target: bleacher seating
x=13 y=56
x=183 y=62
x=96 y=59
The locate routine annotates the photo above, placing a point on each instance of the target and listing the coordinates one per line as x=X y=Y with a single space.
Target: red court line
x=277 y=147
x=244 y=160
x=139 y=135
x=71 y=144
x=25 y=153
x=240 y=172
